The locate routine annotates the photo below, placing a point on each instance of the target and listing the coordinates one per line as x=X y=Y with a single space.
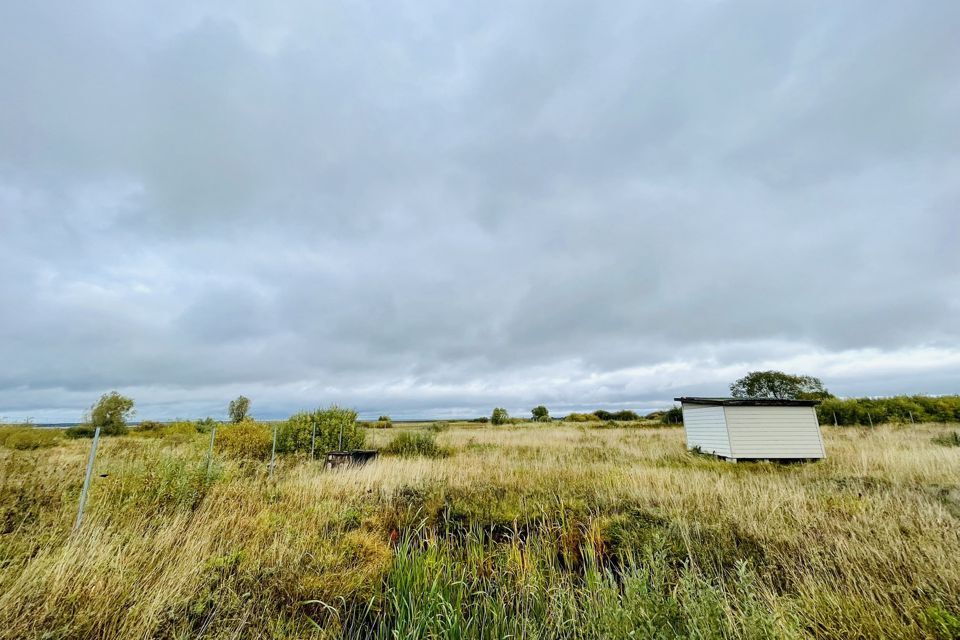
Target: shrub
x=296 y=433
x=26 y=437
x=246 y=440
x=439 y=427
x=204 y=425
x=149 y=426
x=87 y=430
x=672 y=416
x=384 y=422
x=580 y=417
x=625 y=415
x=899 y=409
x=499 y=416
x=950 y=439
x=481 y=420
x=415 y=444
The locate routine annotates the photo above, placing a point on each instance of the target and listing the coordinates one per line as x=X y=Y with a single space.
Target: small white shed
x=753 y=428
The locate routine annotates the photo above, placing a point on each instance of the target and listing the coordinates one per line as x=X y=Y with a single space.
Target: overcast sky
x=429 y=209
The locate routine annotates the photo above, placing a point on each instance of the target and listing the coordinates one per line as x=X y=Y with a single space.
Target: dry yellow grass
x=864 y=544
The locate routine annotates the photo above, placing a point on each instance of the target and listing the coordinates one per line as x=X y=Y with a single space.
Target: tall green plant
x=296 y=434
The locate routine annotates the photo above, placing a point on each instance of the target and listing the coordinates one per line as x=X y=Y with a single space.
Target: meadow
x=476 y=531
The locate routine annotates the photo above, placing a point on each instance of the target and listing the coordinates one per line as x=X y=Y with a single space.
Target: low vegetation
x=26 y=437
x=535 y=530
x=415 y=444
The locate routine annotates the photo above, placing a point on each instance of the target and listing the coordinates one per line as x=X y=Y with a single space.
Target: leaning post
x=273 y=451
x=86 y=479
x=835 y=418
x=313 y=438
x=213 y=436
x=870 y=418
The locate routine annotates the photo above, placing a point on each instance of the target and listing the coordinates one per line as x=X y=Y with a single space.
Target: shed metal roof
x=749 y=402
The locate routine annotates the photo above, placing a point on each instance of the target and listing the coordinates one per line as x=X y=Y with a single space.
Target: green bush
x=415 y=444
x=499 y=416
x=672 y=416
x=87 y=430
x=25 y=437
x=950 y=439
x=897 y=409
x=295 y=434
x=623 y=416
x=245 y=440
x=580 y=417
x=439 y=427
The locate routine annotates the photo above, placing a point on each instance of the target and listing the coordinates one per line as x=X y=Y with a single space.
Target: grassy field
x=521 y=531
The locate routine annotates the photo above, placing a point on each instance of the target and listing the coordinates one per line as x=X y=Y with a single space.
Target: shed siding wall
x=774 y=432
x=705 y=428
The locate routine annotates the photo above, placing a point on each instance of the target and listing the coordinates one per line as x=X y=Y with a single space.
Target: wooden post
x=86 y=479
x=835 y=418
x=870 y=418
x=313 y=439
x=273 y=452
x=340 y=442
x=213 y=436
x=911 y=417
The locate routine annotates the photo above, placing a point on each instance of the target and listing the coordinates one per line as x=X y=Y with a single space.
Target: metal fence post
x=86 y=479
x=911 y=417
x=273 y=452
x=340 y=442
x=835 y=418
x=870 y=418
x=213 y=435
x=313 y=439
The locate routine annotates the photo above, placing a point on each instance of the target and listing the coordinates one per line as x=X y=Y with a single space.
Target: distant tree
x=671 y=416
x=540 y=414
x=499 y=416
x=110 y=414
x=624 y=416
x=777 y=384
x=238 y=409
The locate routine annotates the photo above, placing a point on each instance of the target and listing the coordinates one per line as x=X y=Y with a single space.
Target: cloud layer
x=429 y=209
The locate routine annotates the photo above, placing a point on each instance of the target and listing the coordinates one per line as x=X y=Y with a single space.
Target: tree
x=540 y=414
x=238 y=409
x=499 y=416
x=110 y=414
x=777 y=384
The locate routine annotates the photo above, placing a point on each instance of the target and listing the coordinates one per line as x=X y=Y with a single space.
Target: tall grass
x=538 y=532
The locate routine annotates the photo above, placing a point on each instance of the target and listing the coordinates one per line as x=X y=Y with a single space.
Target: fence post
x=313 y=440
x=273 y=452
x=911 y=417
x=86 y=479
x=870 y=418
x=213 y=435
x=340 y=442
x=835 y=418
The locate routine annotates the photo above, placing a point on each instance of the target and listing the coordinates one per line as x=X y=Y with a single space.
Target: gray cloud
x=429 y=210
